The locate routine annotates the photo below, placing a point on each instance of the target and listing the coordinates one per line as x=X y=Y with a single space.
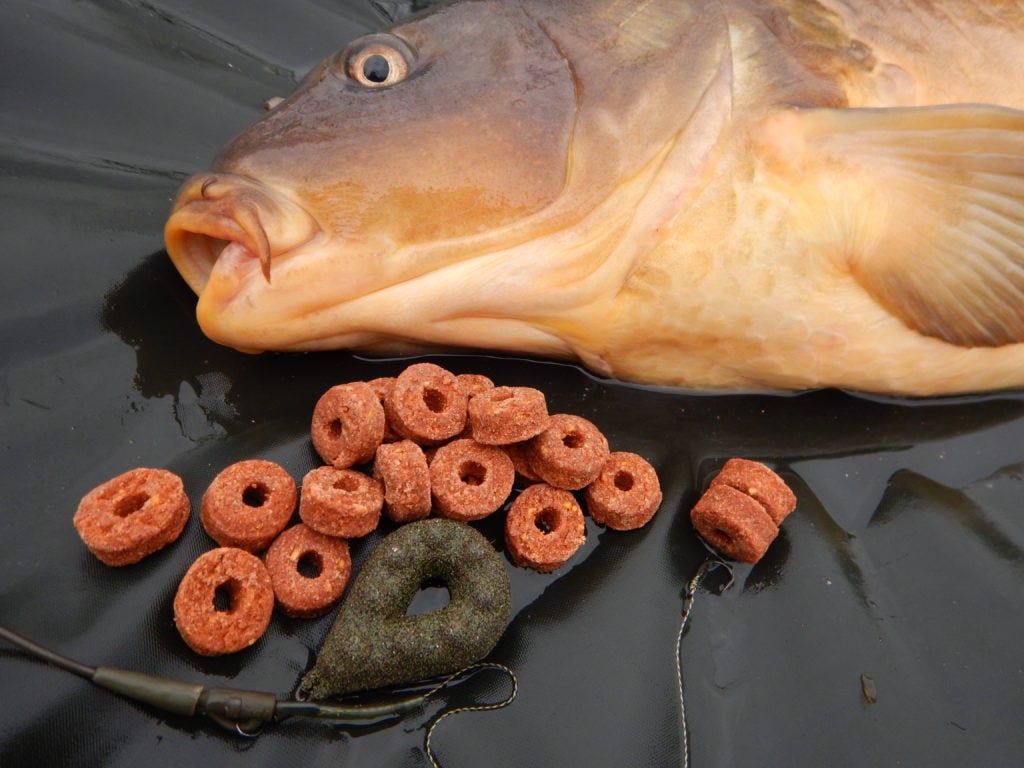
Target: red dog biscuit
x=248 y=504
x=132 y=515
x=340 y=502
x=505 y=415
x=733 y=523
x=520 y=455
x=626 y=493
x=762 y=484
x=469 y=481
x=474 y=383
x=568 y=454
x=381 y=387
x=402 y=469
x=544 y=528
x=426 y=404
x=348 y=424
x=301 y=550
x=236 y=577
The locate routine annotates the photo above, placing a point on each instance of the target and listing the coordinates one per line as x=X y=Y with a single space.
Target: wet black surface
x=903 y=562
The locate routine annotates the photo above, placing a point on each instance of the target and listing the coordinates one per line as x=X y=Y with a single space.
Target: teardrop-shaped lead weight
x=373 y=643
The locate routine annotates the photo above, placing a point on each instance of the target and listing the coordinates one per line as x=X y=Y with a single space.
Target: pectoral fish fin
x=924 y=206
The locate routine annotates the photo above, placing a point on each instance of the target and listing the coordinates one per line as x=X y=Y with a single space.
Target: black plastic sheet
x=881 y=629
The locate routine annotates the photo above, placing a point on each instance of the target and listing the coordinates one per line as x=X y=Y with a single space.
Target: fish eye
x=376 y=68
x=379 y=63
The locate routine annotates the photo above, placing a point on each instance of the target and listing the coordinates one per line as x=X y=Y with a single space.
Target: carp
x=723 y=194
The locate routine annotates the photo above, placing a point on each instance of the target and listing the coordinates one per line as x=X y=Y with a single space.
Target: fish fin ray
x=934 y=227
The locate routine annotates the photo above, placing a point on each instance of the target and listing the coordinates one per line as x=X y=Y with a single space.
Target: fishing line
x=473 y=669
x=45 y=654
x=688 y=599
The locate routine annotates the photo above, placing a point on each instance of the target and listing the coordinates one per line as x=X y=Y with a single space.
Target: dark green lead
x=373 y=644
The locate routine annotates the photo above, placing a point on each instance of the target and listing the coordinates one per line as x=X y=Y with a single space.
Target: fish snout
x=219 y=218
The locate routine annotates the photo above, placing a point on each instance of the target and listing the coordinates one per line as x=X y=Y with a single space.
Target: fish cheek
x=485 y=164
x=497 y=157
x=417 y=215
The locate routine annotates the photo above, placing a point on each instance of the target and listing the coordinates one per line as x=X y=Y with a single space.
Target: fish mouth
x=226 y=230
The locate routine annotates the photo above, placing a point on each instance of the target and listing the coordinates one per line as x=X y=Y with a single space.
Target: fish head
x=390 y=156
x=415 y=190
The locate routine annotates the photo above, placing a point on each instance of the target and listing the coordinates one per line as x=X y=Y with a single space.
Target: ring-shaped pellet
x=474 y=383
x=402 y=469
x=308 y=570
x=733 y=523
x=520 y=455
x=381 y=387
x=760 y=483
x=568 y=454
x=248 y=504
x=626 y=493
x=348 y=424
x=470 y=481
x=544 y=528
x=132 y=515
x=426 y=404
x=340 y=502
x=505 y=415
x=224 y=602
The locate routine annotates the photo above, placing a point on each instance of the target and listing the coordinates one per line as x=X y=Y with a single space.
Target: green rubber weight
x=373 y=644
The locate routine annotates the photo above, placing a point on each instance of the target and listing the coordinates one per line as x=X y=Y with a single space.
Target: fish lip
x=195 y=240
x=213 y=210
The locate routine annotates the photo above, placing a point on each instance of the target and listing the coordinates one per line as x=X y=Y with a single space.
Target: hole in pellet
x=472 y=473
x=131 y=504
x=623 y=480
x=335 y=429
x=346 y=483
x=434 y=399
x=433 y=595
x=255 y=495
x=720 y=536
x=224 y=596
x=310 y=564
x=546 y=520
x=572 y=440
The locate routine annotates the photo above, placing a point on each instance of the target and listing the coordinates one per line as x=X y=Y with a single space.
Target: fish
x=705 y=194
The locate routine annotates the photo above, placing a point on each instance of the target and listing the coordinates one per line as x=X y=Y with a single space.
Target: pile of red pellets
x=435 y=443
x=426 y=442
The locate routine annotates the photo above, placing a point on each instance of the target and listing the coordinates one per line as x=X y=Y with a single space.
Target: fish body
x=699 y=193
